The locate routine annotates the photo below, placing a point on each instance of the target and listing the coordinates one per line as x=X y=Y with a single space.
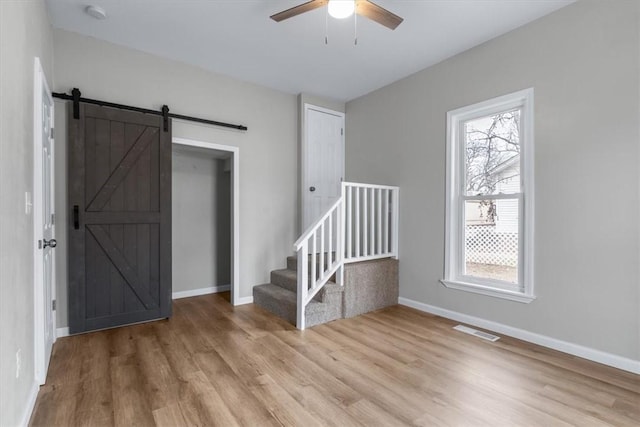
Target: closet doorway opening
x=205 y=218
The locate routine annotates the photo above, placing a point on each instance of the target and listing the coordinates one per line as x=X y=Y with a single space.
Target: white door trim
x=304 y=184
x=40 y=305
x=235 y=203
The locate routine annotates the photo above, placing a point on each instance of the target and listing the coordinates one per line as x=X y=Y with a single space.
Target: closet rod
x=76 y=98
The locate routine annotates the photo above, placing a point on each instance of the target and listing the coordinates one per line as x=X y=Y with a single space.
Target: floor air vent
x=479 y=334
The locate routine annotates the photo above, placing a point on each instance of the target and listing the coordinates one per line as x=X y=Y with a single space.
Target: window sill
x=488 y=291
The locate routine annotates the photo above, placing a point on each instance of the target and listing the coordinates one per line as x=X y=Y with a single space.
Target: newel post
x=303 y=285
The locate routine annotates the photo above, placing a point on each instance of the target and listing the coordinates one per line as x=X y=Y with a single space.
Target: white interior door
x=323 y=162
x=44 y=228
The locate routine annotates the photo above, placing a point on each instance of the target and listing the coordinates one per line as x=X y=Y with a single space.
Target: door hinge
x=51 y=135
x=341 y=131
x=53 y=219
x=53 y=305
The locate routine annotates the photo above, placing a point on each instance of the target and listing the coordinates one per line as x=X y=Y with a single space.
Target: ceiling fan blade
x=297 y=10
x=379 y=14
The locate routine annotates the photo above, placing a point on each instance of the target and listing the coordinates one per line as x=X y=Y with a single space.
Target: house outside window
x=489 y=206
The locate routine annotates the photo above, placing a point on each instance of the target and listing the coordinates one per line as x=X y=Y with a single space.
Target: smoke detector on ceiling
x=96 y=12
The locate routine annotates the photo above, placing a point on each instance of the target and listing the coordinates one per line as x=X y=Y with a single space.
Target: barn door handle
x=76 y=217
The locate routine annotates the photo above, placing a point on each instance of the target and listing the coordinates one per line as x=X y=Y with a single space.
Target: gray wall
x=583 y=63
x=268 y=151
x=200 y=222
x=24 y=34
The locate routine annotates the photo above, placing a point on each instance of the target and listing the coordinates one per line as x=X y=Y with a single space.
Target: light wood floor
x=213 y=364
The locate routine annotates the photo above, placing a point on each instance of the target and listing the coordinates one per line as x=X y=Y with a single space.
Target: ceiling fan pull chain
x=355 y=29
x=326 y=27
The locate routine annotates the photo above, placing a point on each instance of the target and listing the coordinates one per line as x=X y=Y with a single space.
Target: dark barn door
x=119 y=192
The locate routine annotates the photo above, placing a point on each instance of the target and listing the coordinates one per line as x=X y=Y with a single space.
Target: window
x=489 y=222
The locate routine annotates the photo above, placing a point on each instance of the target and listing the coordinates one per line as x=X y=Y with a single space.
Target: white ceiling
x=237 y=38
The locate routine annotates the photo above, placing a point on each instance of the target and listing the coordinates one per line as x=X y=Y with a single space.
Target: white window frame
x=454 y=220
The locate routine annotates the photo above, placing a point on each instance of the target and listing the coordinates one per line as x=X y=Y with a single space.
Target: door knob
x=44 y=243
x=312 y=189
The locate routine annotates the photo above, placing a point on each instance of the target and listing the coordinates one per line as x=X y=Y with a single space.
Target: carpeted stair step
x=292 y=264
x=292 y=261
x=282 y=302
x=288 y=279
x=330 y=288
x=285 y=278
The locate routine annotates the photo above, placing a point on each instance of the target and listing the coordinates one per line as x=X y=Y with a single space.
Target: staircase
x=280 y=297
x=362 y=225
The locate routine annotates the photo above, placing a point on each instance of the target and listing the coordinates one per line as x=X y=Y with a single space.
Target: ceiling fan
x=344 y=8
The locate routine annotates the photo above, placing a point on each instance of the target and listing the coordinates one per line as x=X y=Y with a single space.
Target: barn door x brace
x=164 y=112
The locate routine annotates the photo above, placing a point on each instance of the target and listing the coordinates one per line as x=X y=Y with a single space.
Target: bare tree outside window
x=490 y=143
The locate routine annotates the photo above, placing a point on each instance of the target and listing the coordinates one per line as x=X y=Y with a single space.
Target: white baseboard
x=543 y=340
x=201 y=291
x=62 y=332
x=244 y=300
x=31 y=403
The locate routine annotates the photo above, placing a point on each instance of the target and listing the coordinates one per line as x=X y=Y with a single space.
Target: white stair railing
x=361 y=225
x=371 y=218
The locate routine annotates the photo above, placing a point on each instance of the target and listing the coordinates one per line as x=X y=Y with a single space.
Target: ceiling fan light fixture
x=341 y=9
